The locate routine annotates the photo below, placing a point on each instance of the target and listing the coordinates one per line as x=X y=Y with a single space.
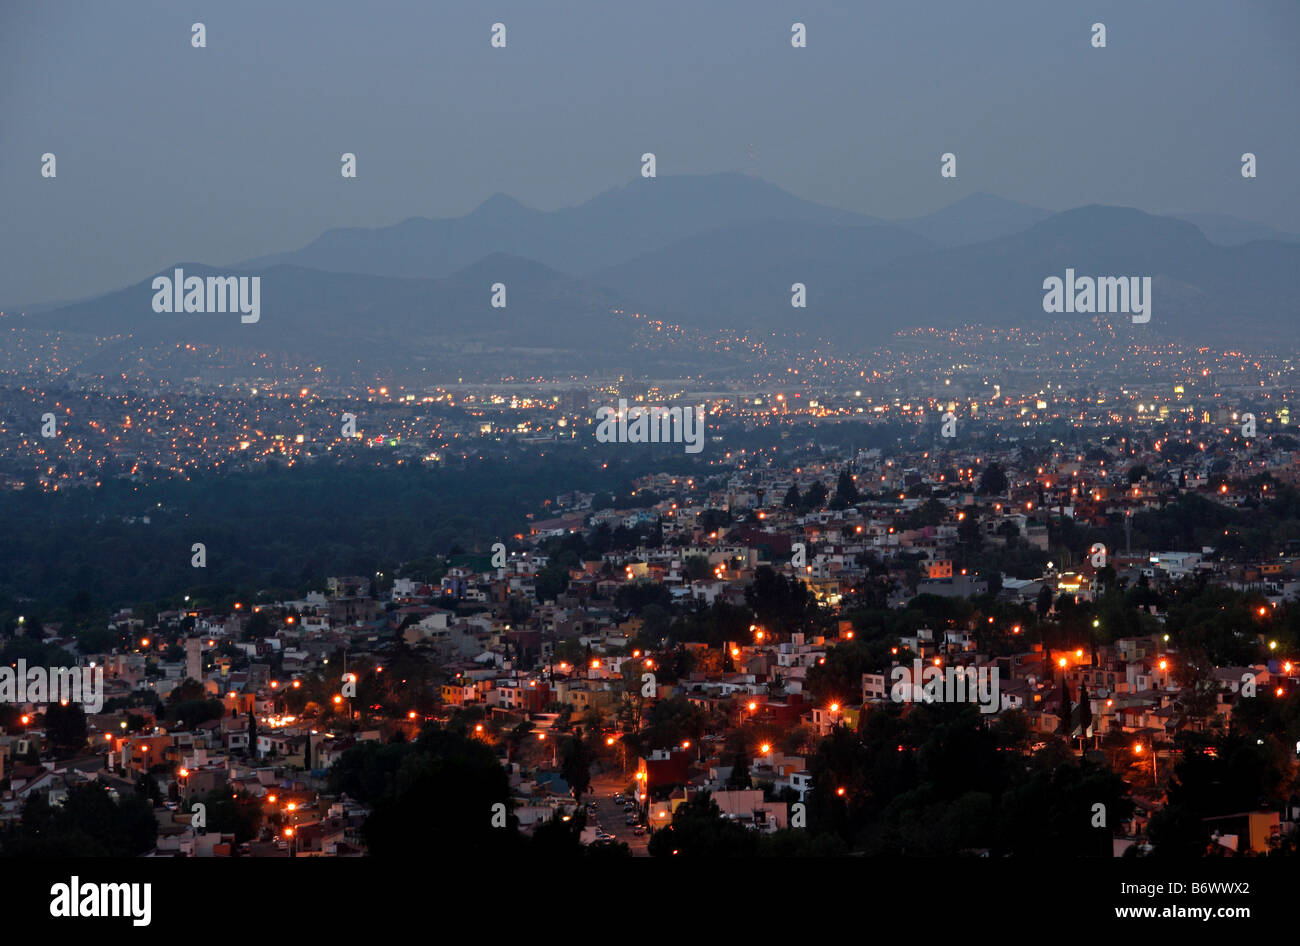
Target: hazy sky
x=169 y=153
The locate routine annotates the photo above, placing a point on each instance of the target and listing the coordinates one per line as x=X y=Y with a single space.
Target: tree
x=698 y=829
x=1066 y=709
x=993 y=481
x=88 y=824
x=576 y=757
x=66 y=726
x=1085 y=711
x=1044 y=603
x=792 y=498
x=739 y=777
x=1177 y=832
x=252 y=733
x=441 y=771
x=846 y=489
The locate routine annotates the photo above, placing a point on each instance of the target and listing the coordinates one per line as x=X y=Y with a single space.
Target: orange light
x=840 y=792
x=753 y=706
x=296 y=684
x=271 y=799
x=184 y=773
x=1061 y=662
x=144 y=642
x=1079 y=653
x=25 y=720
x=835 y=707
x=609 y=740
x=686 y=744
x=478 y=727
x=411 y=715
x=292 y=806
x=1164 y=665
x=288 y=832
x=735 y=651
x=765 y=748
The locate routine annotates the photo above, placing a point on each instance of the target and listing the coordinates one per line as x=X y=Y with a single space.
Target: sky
x=169 y=153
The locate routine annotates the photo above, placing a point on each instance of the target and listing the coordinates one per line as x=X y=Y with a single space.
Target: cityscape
x=644 y=485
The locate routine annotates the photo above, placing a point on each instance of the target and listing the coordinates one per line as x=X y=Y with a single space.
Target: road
x=610 y=816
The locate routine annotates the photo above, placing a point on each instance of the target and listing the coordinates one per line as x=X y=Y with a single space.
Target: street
x=611 y=816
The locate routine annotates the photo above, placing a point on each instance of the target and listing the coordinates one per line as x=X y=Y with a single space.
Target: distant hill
x=376 y=323
x=974 y=219
x=1230 y=231
x=864 y=284
x=1200 y=290
x=741 y=276
x=709 y=252
x=608 y=229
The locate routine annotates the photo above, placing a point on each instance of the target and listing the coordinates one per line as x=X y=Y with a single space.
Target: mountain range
x=706 y=252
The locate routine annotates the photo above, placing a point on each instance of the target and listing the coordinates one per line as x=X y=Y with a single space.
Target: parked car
x=638 y=831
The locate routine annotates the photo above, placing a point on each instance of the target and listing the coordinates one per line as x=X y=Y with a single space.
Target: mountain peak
x=499 y=205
